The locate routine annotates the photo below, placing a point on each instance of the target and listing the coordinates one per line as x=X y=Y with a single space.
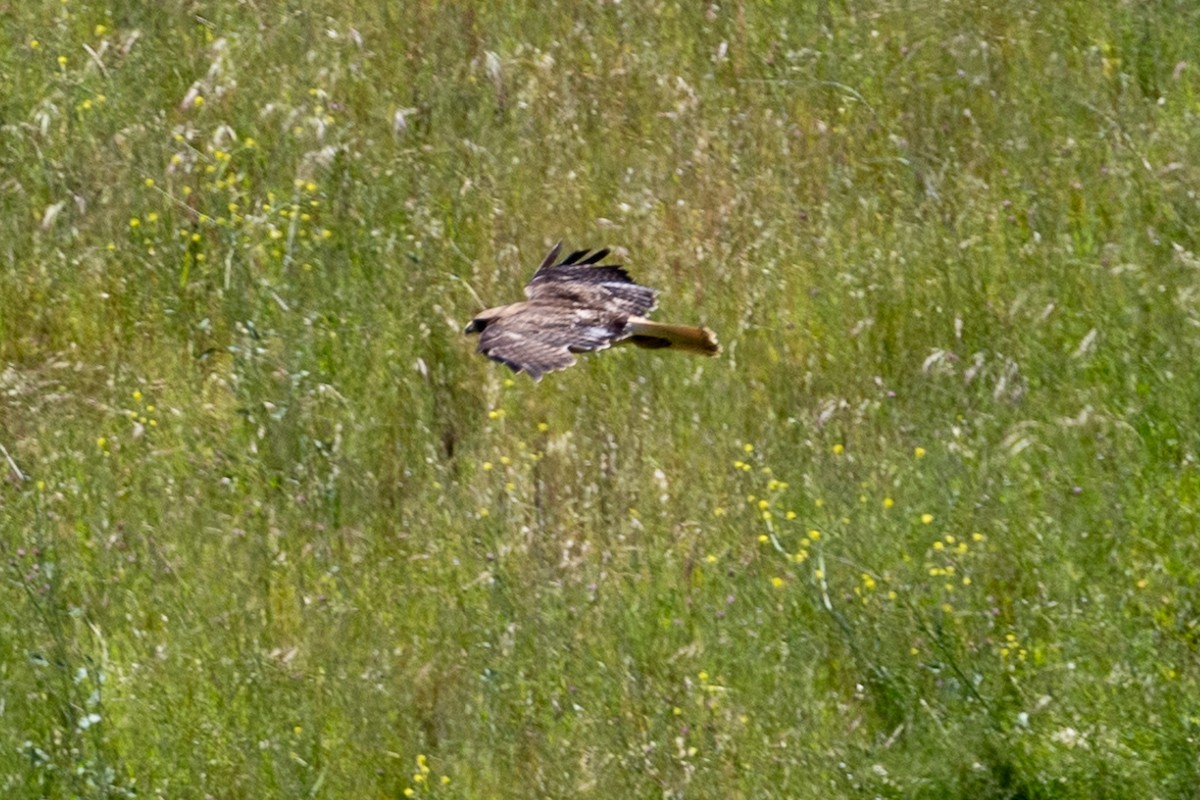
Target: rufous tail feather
x=688 y=338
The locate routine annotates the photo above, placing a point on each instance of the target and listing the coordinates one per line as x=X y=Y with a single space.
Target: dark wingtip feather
x=596 y=257
x=573 y=258
x=576 y=258
x=553 y=254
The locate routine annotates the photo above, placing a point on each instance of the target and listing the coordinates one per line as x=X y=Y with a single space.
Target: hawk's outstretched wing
x=538 y=338
x=580 y=279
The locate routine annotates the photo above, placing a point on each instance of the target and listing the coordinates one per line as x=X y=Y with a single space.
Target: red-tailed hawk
x=577 y=306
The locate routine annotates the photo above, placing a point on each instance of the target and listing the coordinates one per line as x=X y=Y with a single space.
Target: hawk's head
x=485 y=318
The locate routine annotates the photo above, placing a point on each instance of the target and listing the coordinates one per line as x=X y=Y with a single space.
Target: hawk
x=579 y=305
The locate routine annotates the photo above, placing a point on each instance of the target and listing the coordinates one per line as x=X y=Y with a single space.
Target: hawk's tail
x=688 y=338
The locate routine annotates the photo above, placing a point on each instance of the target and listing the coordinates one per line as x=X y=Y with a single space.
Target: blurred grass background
x=928 y=528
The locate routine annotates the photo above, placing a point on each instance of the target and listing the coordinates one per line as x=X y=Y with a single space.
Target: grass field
x=928 y=528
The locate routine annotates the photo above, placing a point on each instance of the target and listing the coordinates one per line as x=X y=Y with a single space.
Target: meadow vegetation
x=927 y=529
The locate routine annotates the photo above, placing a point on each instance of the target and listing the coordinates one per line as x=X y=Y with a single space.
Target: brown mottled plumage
x=576 y=306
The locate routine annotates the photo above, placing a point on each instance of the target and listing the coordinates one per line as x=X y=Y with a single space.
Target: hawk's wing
x=580 y=280
x=536 y=338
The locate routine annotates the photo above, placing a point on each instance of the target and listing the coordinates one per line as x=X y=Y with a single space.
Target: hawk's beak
x=475 y=326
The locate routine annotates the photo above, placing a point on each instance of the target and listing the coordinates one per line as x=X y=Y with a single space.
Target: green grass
x=927 y=529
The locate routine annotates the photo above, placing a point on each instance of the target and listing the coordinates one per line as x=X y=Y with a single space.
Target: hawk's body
x=575 y=306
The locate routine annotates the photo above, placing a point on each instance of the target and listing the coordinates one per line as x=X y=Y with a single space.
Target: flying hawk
x=579 y=305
